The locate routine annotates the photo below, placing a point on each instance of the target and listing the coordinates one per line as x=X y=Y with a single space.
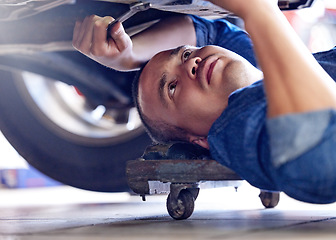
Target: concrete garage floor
x=68 y=213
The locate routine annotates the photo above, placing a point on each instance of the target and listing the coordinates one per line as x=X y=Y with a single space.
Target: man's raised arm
x=294 y=81
x=123 y=53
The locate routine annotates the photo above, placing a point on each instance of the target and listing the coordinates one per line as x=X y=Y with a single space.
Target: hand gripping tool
x=134 y=8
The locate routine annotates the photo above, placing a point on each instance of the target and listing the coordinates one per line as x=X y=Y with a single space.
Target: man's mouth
x=210 y=70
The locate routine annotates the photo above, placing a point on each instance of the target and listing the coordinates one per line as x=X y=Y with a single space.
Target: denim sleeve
x=295 y=134
x=304 y=155
x=222 y=33
x=327 y=60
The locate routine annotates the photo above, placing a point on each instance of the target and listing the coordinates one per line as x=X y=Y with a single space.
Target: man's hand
x=90 y=38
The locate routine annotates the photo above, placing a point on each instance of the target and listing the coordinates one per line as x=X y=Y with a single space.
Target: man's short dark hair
x=159 y=131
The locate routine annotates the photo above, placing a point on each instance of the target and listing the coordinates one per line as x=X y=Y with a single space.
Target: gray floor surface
x=68 y=213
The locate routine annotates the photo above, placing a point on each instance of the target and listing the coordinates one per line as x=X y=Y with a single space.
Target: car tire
x=87 y=165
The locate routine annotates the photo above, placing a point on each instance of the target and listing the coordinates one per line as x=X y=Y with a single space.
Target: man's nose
x=191 y=66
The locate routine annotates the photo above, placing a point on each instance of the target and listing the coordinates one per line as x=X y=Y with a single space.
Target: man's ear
x=201 y=141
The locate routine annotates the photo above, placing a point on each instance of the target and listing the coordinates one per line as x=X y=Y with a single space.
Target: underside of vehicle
x=67 y=115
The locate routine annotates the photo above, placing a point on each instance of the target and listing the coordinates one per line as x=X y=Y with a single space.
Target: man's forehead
x=153 y=76
x=166 y=55
x=151 y=84
x=158 y=67
x=147 y=83
x=155 y=69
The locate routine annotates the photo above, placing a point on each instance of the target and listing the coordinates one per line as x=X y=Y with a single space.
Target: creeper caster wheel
x=269 y=199
x=182 y=207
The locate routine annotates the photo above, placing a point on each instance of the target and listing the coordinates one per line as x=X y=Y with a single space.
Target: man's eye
x=172 y=88
x=186 y=54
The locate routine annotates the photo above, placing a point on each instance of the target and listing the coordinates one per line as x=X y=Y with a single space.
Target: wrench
x=134 y=8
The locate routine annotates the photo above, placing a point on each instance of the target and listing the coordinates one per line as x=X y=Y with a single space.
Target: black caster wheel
x=269 y=199
x=182 y=207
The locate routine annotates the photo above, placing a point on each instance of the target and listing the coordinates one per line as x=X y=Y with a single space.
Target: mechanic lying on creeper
x=275 y=128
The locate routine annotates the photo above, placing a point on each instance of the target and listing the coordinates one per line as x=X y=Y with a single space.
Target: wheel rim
x=65 y=112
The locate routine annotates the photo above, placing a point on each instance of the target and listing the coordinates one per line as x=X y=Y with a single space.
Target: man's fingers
x=88 y=36
x=100 y=46
x=83 y=34
x=118 y=42
x=80 y=31
x=119 y=36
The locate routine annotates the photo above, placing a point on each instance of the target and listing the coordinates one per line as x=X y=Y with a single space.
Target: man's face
x=188 y=87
